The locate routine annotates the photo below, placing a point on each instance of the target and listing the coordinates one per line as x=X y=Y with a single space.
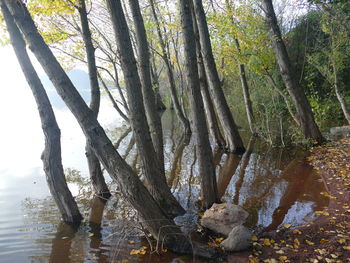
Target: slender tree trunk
x=306 y=118
x=153 y=117
x=205 y=158
x=285 y=98
x=212 y=121
x=246 y=94
x=233 y=139
x=96 y=174
x=155 y=83
x=170 y=74
x=243 y=77
x=114 y=103
x=51 y=156
x=155 y=176
x=340 y=97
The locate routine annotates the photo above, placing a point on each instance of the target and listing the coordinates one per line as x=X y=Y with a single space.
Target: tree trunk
x=155 y=176
x=306 y=118
x=340 y=97
x=212 y=120
x=246 y=94
x=205 y=158
x=96 y=174
x=153 y=117
x=170 y=74
x=52 y=153
x=233 y=139
x=114 y=103
x=285 y=98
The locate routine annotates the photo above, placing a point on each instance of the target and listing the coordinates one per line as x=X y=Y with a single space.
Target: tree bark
x=205 y=158
x=306 y=118
x=170 y=74
x=96 y=174
x=340 y=97
x=246 y=93
x=51 y=155
x=212 y=120
x=233 y=139
x=155 y=176
x=149 y=99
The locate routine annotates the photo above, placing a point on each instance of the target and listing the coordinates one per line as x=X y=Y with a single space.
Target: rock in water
x=239 y=239
x=221 y=218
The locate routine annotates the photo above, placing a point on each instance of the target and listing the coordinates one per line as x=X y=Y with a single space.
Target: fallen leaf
x=287 y=225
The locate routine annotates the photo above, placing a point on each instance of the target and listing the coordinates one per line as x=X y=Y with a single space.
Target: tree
x=233 y=139
x=95 y=170
x=156 y=181
x=205 y=159
x=170 y=73
x=51 y=155
x=149 y=99
x=212 y=120
x=305 y=115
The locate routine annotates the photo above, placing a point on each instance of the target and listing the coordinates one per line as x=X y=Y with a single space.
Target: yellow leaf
x=266 y=242
x=346 y=247
x=287 y=225
x=322 y=241
x=219 y=239
x=282 y=259
x=309 y=242
x=342 y=241
x=254 y=238
x=253 y=260
x=91 y=234
x=296 y=231
x=213 y=244
x=131 y=242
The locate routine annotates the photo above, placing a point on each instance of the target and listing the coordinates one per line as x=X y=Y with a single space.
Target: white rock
x=222 y=218
x=239 y=239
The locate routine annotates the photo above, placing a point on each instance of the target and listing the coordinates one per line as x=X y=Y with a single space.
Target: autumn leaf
x=287 y=225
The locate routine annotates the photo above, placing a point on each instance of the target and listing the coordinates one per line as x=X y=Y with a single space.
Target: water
x=274 y=185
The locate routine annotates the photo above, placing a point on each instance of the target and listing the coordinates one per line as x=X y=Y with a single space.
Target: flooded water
x=274 y=185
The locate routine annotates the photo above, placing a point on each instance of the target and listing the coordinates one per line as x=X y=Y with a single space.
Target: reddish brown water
x=274 y=185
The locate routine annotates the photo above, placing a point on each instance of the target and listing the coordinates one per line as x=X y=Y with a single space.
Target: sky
x=21 y=136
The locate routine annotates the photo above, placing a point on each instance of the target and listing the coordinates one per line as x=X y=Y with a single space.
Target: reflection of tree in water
x=108 y=224
x=262 y=188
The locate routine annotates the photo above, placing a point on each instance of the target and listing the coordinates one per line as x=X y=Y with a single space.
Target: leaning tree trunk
x=149 y=99
x=246 y=93
x=205 y=158
x=52 y=153
x=96 y=174
x=156 y=181
x=233 y=139
x=154 y=218
x=306 y=118
x=170 y=74
x=212 y=120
